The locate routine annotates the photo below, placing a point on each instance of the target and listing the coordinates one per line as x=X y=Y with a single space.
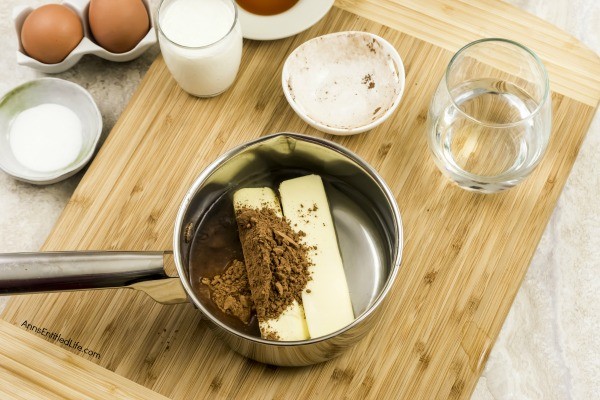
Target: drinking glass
x=489 y=121
x=201 y=43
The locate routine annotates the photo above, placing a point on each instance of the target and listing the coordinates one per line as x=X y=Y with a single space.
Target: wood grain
x=36 y=370
x=450 y=24
x=464 y=258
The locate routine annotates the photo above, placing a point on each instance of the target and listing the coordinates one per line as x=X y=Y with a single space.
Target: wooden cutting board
x=464 y=258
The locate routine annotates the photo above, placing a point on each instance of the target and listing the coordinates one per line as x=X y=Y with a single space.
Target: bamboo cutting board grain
x=57 y=372
x=465 y=254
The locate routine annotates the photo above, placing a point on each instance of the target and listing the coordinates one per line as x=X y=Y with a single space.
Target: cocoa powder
x=277 y=262
x=230 y=291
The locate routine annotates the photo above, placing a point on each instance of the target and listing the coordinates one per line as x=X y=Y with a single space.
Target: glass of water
x=489 y=121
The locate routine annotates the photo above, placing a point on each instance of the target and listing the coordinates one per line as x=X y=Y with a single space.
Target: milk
x=201 y=42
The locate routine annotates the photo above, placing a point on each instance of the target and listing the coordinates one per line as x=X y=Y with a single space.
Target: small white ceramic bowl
x=87 y=44
x=42 y=91
x=344 y=83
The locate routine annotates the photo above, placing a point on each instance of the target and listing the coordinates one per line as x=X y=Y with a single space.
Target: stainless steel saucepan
x=365 y=215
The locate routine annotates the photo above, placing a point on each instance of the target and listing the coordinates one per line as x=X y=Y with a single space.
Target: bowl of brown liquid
x=277 y=19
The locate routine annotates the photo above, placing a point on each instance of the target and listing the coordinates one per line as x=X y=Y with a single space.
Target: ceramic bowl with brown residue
x=344 y=83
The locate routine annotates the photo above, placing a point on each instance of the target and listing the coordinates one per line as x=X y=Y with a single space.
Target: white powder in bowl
x=46 y=138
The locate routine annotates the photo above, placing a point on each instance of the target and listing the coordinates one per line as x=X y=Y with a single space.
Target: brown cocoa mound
x=230 y=291
x=277 y=262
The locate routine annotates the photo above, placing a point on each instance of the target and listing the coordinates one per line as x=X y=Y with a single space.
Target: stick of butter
x=291 y=324
x=326 y=299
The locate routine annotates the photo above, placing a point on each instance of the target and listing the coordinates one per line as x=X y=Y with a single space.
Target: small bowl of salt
x=49 y=130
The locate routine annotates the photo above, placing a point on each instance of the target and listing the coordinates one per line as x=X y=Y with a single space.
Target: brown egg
x=51 y=32
x=118 y=25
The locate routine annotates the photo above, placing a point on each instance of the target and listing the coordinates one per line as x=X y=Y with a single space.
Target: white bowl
x=87 y=44
x=41 y=91
x=344 y=83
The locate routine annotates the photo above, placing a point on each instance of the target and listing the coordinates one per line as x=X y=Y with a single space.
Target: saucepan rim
x=209 y=170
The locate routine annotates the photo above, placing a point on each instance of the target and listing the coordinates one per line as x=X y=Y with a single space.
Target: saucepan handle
x=63 y=271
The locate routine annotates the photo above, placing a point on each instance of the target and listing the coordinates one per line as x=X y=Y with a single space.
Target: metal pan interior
x=366 y=220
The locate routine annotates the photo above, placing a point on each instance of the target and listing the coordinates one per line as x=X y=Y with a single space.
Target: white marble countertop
x=548 y=347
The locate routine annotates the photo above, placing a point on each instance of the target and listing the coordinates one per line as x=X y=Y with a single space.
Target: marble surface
x=548 y=347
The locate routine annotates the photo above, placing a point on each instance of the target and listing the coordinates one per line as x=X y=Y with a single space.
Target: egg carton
x=87 y=44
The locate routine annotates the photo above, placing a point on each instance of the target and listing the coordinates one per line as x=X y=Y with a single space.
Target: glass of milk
x=201 y=43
